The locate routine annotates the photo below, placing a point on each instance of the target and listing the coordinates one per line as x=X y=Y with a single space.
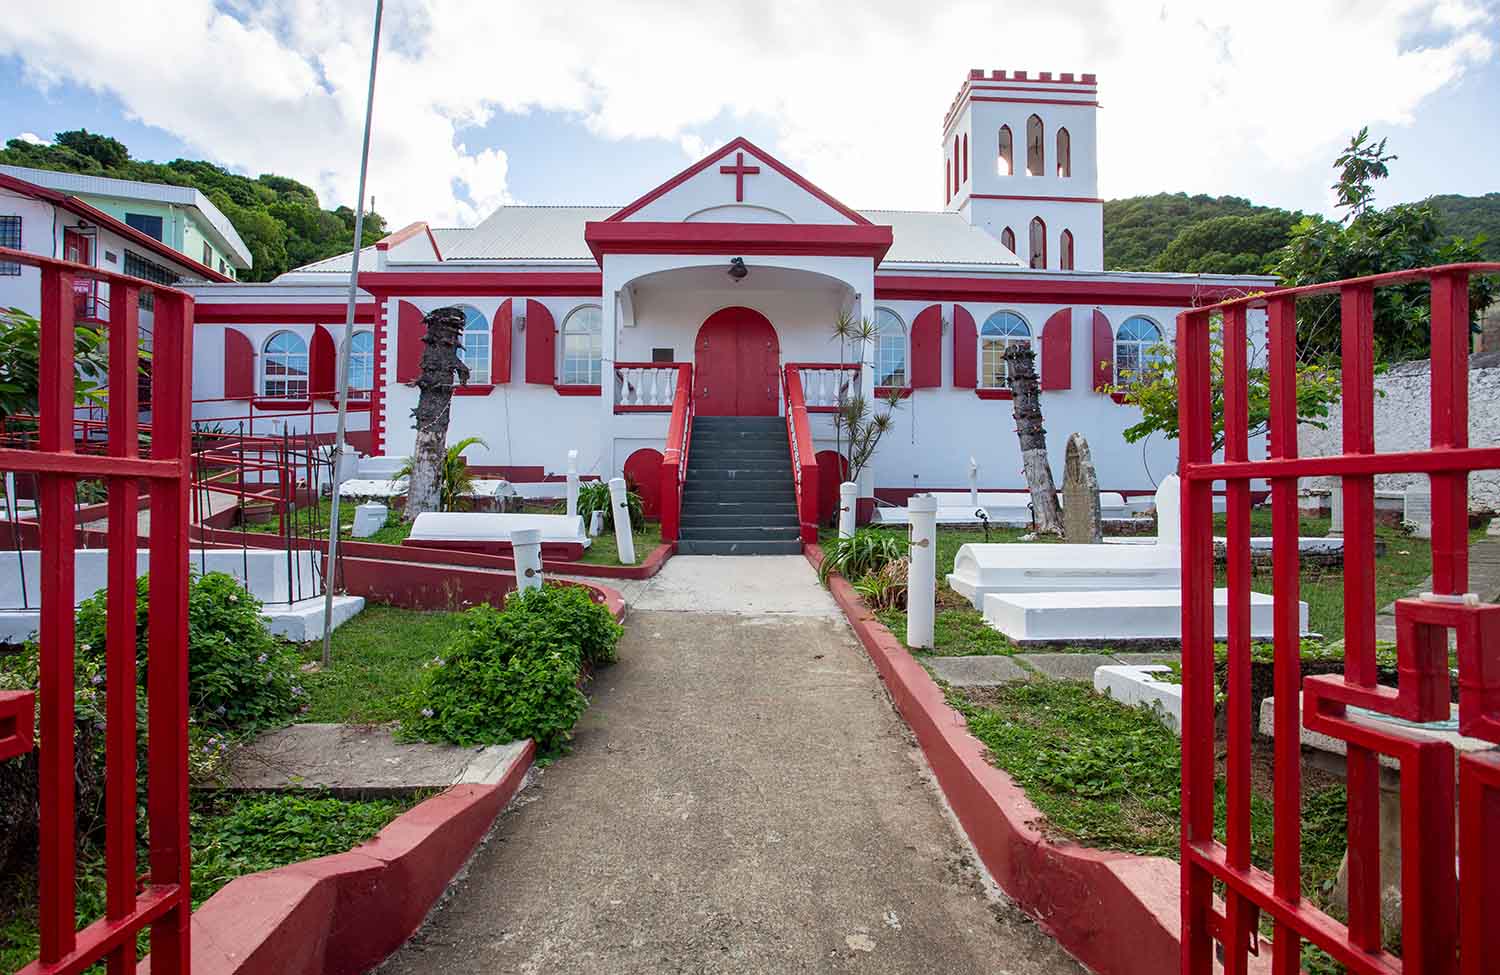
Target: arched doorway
x=736 y=365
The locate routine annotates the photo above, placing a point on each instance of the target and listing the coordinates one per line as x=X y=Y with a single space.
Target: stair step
x=764 y=519
x=688 y=546
x=762 y=533
x=711 y=475
x=739 y=436
x=729 y=491
x=764 y=465
x=741 y=507
x=739 y=421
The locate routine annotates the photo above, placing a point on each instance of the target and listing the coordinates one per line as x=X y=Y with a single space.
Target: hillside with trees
x=1470 y=216
x=280 y=219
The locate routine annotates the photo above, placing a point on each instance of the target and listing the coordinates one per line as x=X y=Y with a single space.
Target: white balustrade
x=645 y=386
x=823 y=387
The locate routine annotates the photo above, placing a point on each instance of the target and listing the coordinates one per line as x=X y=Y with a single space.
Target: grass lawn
x=231 y=836
x=1107 y=776
x=955 y=633
x=604 y=551
x=377 y=659
x=313 y=522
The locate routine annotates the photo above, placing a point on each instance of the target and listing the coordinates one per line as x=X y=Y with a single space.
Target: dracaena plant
x=856 y=420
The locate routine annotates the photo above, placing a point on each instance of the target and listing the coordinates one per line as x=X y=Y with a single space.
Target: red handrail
x=804 y=461
x=674 y=457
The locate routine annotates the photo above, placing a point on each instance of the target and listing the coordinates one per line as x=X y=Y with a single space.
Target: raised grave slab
x=988 y=671
x=1002 y=509
x=563 y=537
x=1114 y=615
x=1136 y=685
x=360 y=761
x=983 y=569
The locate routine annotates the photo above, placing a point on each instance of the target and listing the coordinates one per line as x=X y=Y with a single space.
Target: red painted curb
x=1115 y=912
x=343 y=914
x=448 y=587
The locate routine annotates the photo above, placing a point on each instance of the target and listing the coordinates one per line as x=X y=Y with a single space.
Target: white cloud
x=33 y=138
x=1198 y=94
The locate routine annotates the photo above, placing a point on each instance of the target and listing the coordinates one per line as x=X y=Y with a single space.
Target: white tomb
x=1120 y=615
x=1136 y=684
x=369 y=518
x=1000 y=509
x=1416 y=510
x=490 y=532
x=290 y=588
x=1038 y=567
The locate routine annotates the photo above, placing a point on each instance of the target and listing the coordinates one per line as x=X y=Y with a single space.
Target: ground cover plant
x=606 y=549
x=594 y=496
x=378 y=659
x=514 y=673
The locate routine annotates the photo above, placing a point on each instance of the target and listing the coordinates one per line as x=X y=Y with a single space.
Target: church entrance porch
x=736 y=365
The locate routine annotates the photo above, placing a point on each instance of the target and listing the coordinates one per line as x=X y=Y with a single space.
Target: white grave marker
x=1336 y=509
x=848 y=492
x=1417 y=511
x=526 y=543
x=572 y=483
x=369 y=518
x=973 y=482
x=921 y=575
x=624 y=540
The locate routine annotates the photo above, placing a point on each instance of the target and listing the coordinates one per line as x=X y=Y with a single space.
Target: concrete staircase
x=738 y=497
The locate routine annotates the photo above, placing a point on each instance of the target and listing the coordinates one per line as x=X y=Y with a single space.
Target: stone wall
x=1403 y=422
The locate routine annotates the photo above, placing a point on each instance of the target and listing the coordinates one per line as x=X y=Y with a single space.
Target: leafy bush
x=864 y=553
x=594 y=496
x=885 y=588
x=239 y=676
x=513 y=673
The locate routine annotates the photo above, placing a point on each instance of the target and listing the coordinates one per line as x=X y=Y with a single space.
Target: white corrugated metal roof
x=555 y=233
x=80 y=184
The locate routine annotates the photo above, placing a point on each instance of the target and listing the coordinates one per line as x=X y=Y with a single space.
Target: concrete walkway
x=740 y=798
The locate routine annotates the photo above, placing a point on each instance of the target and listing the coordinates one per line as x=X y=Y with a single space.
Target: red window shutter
x=1057 y=351
x=239 y=365
x=541 y=344
x=409 y=332
x=1104 y=351
x=322 y=363
x=965 y=349
x=500 y=345
x=927 y=348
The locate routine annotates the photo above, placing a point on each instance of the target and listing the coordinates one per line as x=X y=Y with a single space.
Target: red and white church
x=585 y=321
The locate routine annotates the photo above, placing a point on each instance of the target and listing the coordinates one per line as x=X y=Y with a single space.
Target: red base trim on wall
x=578 y=390
x=474 y=389
x=1115 y=912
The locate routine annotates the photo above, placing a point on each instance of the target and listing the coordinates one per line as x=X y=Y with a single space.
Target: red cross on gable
x=739 y=171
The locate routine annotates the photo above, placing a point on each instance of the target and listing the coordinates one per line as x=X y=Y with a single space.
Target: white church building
x=580 y=319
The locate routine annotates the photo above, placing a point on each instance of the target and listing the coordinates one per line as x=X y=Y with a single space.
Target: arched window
x=1064 y=154
x=1035 y=164
x=966 y=157
x=890 y=349
x=362 y=362
x=1135 y=348
x=583 y=346
x=284 y=366
x=1038 y=243
x=955 y=165
x=1007 y=163
x=1065 y=250
x=1008 y=239
x=999 y=332
x=475 y=350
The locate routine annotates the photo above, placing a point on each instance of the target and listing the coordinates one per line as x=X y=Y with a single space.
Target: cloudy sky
x=483 y=102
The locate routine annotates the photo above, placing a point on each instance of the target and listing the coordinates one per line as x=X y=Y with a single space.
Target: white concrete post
x=1336 y=509
x=921 y=577
x=973 y=482
x=596 y=524
x=624 y=540
x=1169 y=511
x=526 y=546
x=572 y=484
x=848 y=494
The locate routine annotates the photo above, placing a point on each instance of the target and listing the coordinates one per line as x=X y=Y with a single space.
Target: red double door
x=737 y=365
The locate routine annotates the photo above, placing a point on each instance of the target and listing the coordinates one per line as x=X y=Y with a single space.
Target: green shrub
x=862 y=554
x=239 y=676
x=513 y=673
x=594 y=496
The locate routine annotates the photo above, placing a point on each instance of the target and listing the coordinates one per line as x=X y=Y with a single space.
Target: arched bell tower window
x=1035 y=154
x=1065 y=250
x=1064 y=154
x=1006 y=166
x=966 y=157
x=1038 y=243
x=1008 y=239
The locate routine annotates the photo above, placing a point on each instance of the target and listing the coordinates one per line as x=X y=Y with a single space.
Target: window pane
x=475 y=350
x=583 y=346
x=10 y=236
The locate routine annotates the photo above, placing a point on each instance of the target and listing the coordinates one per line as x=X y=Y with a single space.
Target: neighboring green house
x=179 y=216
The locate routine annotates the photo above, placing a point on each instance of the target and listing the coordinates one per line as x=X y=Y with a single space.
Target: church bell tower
x=1020 y=160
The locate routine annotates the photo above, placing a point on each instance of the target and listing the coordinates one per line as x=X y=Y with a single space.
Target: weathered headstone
x=1080 y=514
x=1417 y=510
x=369 y=518
x=1336 y=509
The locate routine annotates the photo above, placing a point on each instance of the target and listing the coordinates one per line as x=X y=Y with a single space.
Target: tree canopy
x=280 y=219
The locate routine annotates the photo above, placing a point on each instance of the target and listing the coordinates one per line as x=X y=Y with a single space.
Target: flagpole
x=343 y=390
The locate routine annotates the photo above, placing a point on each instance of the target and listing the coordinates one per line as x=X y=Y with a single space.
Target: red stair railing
x=804 y=461
x=162 y=902
x=675 y=456
x=1449 y=917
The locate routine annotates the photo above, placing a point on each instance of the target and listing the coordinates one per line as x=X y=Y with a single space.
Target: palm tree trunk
x=1020 y=366
x=440 y=361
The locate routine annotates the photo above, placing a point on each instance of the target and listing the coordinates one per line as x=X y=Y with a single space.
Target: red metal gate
x=160 y=900
x=1448 y=924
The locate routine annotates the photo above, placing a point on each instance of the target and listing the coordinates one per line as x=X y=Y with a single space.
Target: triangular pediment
x=739 y=183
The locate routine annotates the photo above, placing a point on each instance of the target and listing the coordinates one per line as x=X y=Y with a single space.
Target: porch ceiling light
x=737 y=269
